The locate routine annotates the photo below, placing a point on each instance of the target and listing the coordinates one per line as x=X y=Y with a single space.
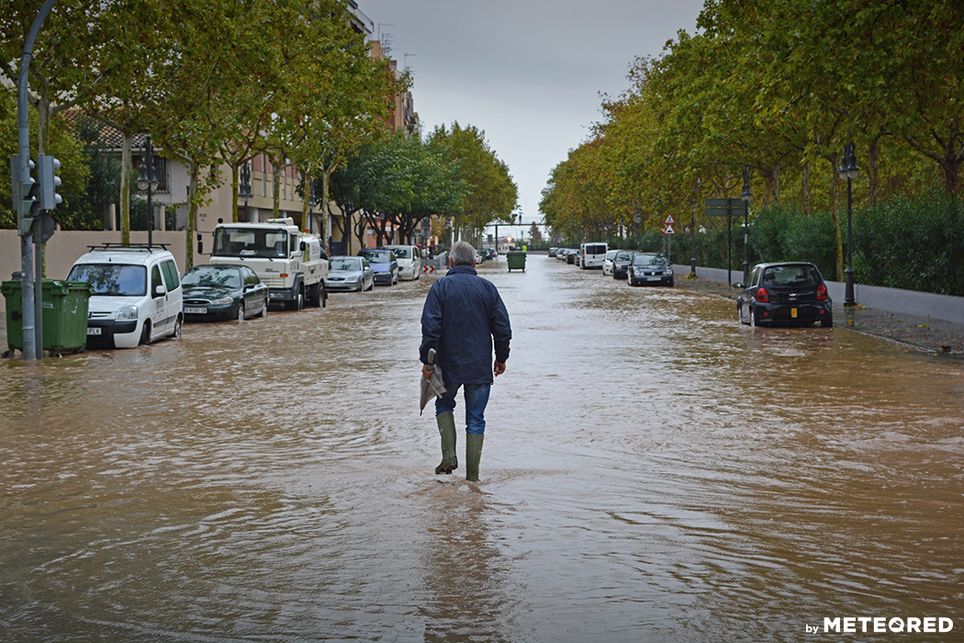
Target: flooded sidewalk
x=652 y=471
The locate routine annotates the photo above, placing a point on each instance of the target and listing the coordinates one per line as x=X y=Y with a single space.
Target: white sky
x=527 y=72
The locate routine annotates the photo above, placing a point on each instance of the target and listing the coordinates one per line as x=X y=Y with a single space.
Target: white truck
x=292 y=263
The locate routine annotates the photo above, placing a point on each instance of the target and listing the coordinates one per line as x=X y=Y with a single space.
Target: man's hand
x=427 y=371
x=499 y=368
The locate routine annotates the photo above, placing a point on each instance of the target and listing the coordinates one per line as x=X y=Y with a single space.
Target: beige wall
x=65 y=246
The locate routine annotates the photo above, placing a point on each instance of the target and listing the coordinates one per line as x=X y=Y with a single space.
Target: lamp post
x=147 y=182
x=848 y=170
x=696 y=196
x=244 y=186
x=746 y=222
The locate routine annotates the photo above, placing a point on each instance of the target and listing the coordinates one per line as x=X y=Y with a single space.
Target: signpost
x=728 y=208
x=668 y=232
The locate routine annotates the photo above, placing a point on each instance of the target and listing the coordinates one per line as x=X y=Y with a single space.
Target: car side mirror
x=160 y=291
x=302 y=246
x=739 y=284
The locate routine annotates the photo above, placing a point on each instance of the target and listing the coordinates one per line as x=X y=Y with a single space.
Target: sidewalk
x=921 y=333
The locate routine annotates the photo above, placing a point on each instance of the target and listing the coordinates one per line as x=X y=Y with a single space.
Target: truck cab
x=292 y=263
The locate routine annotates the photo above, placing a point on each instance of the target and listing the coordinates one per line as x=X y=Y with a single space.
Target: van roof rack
x=132 y=247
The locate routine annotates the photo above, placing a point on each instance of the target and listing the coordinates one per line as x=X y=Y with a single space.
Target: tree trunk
x=234 y=192
x=835 y=217
x=325 y=213
x=191 y=214
x=951 y=167
x=277 y=173
x=306 y=207
x=873 y=167
x=125 y=190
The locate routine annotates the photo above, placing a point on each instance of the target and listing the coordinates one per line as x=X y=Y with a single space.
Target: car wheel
x=371 y=286
x=300 y=300
x=241 y=311
x=752 y=317
x=264 y=309
x=178 y=326
x=323 y=295
x=145 y=333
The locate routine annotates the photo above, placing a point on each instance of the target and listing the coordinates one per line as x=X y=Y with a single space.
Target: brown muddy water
x=652 y=471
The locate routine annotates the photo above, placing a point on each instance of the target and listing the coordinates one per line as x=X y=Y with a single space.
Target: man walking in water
x=462 y=319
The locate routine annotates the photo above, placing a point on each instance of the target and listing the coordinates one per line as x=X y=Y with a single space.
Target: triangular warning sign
x=668 y=230
x=669 y=220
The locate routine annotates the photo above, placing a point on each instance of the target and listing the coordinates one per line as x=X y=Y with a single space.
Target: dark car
x=792 y=293
x=621 y=264
x=384 y=265
x=223 y=292
x=650 y=270
x=571 y=255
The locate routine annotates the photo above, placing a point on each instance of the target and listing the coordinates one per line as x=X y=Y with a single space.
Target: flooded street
x=652 y=470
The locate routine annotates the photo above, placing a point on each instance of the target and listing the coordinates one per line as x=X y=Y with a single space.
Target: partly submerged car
x=384 y=265
x=223 y=292
x=349 y=273
x=788 y=293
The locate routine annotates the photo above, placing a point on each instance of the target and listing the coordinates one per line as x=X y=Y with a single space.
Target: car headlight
x=223 y=301
x=669 y=271
x=127 y=312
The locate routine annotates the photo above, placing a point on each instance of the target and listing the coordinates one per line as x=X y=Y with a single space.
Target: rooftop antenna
x=405 y=58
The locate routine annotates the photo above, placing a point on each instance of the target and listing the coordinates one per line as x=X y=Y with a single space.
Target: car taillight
x=283 y=275
x=821 y=292
x=762 y=295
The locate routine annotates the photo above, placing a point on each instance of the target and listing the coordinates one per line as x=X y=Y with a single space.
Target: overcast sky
x=528 y=72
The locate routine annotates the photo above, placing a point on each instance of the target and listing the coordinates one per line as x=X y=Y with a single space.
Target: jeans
x=476 y=398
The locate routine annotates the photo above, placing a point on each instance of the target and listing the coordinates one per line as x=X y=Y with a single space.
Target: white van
x=592 y=255
x=409 y=261
x=136 y=297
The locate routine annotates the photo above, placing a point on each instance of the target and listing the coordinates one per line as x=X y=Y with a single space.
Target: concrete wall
x=65 y=246
x=894 y=300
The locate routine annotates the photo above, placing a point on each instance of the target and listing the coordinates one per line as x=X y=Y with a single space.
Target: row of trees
x=212 y=81
x=778 y=85
x=397 y=183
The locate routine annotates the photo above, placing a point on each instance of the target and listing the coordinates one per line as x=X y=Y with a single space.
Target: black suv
x=792 y=293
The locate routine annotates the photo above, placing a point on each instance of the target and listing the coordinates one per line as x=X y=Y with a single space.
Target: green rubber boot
x=473 y=453
x=446 y=429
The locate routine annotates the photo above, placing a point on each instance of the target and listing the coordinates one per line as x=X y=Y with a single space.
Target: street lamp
x=147 y=182
x=848 y=170
x=746 y=222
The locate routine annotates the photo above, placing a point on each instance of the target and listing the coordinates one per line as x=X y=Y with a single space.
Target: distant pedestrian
x=463 y=318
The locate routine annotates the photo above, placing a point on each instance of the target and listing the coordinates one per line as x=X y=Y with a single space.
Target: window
x=250 y=278
x=170 y=275
x=155 y=281
x=111 y=279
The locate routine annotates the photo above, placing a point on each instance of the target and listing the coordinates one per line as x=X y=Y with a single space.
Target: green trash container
x=516 y=260
x=64 y=314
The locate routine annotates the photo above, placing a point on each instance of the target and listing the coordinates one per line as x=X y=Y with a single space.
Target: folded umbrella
x=433 y=386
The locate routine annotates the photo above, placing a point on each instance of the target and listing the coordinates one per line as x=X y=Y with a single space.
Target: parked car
x=791 y=293
x=350 y=273
x=621 y=263
x=552 y=251
x=592 y=255
x=571 y=255
x=650 y=269
x=223 y=292
x=608 y=262
x=562 y=253
x=136 y=296
x=409 y=261
x=384 y=265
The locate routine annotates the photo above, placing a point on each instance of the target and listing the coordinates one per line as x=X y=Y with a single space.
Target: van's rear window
x=112 y=279
x=595 y=250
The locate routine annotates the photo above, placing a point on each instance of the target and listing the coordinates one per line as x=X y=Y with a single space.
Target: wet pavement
x=652 y=470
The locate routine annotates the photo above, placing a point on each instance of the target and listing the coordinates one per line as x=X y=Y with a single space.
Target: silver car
x=349 y=273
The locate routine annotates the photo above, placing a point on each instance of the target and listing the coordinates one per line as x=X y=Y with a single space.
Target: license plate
x=195 y=310
x=653 y=278
x=793 y=313
x=94 y=330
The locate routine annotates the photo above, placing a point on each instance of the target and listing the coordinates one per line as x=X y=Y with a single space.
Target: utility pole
x=26 y=204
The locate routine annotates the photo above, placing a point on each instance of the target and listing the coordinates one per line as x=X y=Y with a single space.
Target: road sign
x=668 y=230
x=669 y=220
x=723 y=207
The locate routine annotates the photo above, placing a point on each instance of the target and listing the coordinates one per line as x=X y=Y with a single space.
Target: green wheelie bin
x=64 y=314
x=516 y=260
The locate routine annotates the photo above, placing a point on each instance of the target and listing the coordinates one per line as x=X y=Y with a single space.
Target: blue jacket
x=462 y=317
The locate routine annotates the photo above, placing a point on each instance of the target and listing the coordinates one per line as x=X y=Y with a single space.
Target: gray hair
x=462 y=254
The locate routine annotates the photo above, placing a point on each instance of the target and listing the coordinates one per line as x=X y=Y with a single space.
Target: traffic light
x=49 y=182
x=25 y=195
